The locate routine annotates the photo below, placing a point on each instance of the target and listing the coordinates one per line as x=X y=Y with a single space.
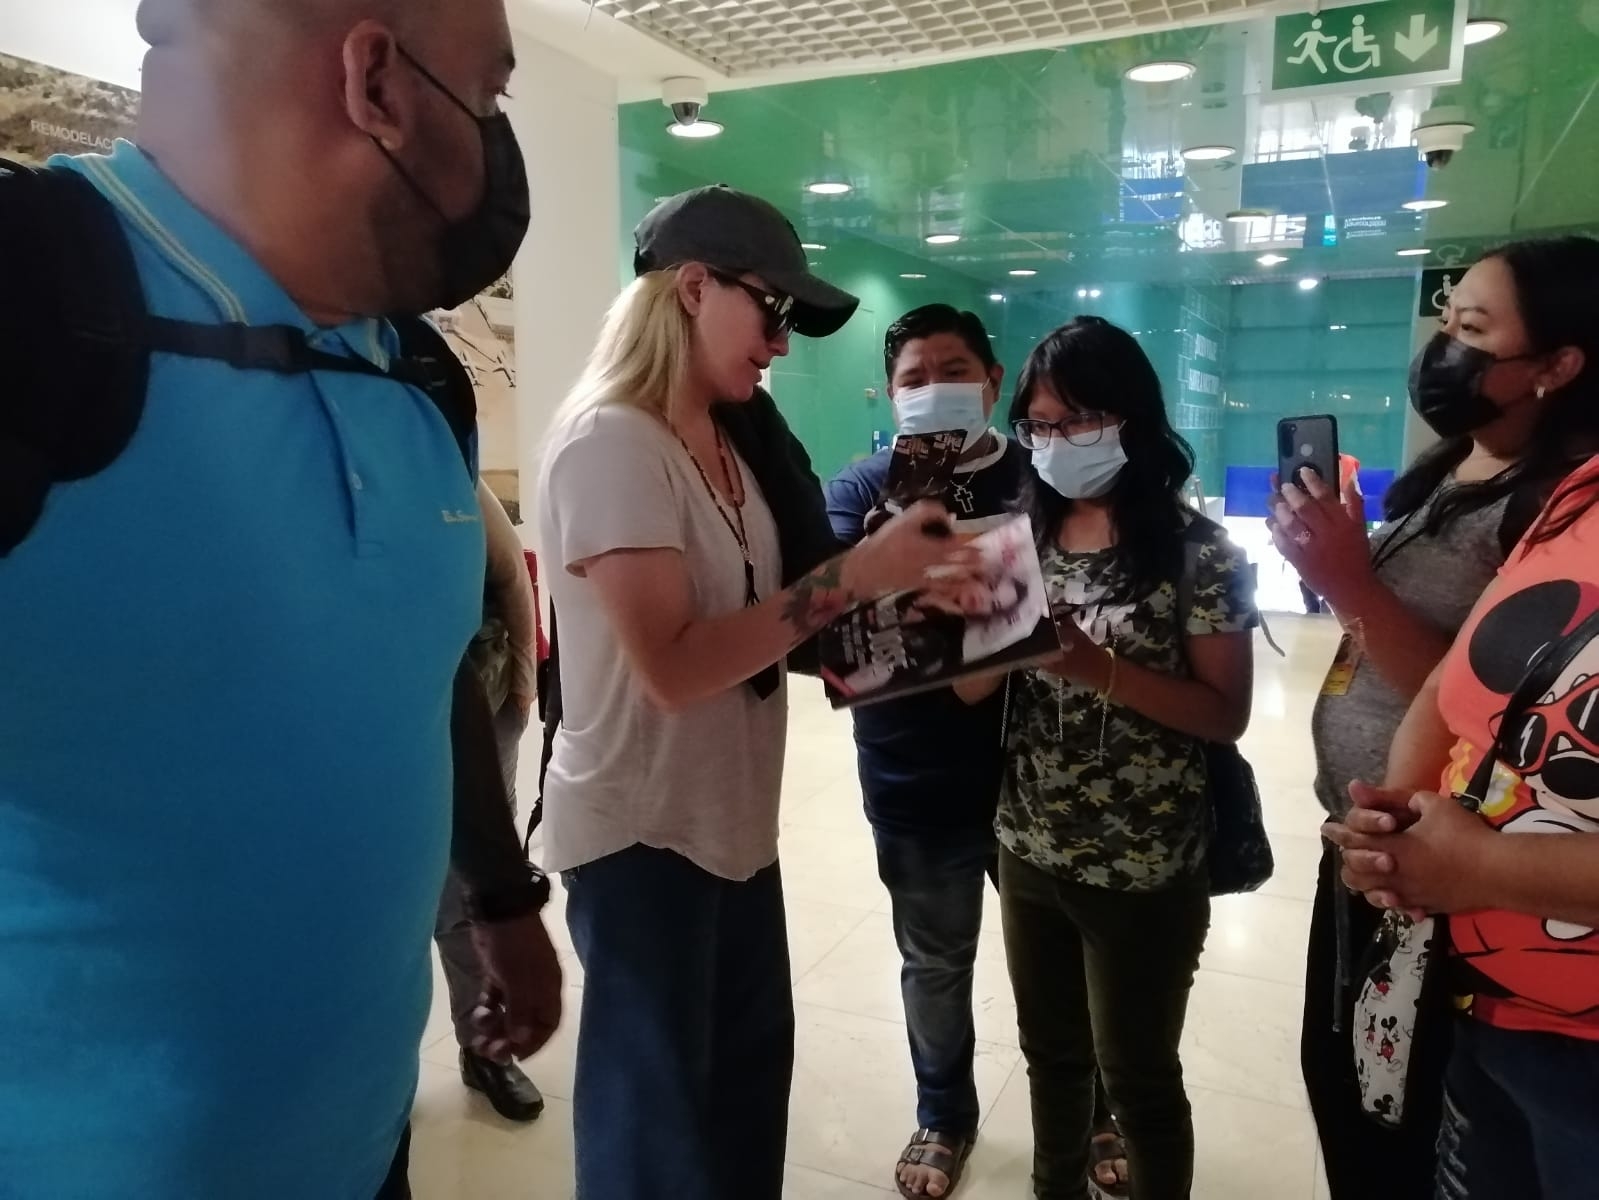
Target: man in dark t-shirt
x=930 y=764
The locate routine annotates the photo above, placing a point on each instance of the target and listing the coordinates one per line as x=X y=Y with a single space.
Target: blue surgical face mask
x=1082 y=472
x=938 y=407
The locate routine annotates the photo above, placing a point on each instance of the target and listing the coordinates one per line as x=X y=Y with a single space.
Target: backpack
x=76 y=338
x=1239 y=857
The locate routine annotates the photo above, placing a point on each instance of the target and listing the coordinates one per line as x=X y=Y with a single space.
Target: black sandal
x=942 y=1152
x=1106 y=1145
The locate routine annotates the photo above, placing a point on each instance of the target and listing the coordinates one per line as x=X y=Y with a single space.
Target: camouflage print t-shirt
x=1111 y=798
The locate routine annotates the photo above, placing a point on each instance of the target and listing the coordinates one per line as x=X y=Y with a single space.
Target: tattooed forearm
x=817 y=598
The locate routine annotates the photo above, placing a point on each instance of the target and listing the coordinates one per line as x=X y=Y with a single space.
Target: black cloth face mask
x=475 y=251
x=1446 y=385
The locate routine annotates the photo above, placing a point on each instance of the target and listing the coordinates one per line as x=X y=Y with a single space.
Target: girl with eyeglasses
x=1102 y=812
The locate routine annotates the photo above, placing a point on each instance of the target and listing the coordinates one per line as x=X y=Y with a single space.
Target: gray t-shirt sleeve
x=611 y=488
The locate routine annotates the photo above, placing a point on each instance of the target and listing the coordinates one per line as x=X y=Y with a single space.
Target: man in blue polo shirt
x=930 y=764
x=226 y=661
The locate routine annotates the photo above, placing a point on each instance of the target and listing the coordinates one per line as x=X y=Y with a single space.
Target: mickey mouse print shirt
x=1529 y=973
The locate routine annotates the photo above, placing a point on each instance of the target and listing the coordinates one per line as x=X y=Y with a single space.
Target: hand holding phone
x=1308 y=443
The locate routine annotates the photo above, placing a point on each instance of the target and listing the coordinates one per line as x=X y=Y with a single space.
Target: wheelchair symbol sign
x=1437 y=286
x=1417 y=41
x=1354 y=55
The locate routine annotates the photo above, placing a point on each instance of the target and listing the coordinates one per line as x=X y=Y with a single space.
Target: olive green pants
x=1103 y=976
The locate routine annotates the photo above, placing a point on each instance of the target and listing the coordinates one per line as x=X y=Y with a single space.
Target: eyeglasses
x=778 y=310
x=1080 y=429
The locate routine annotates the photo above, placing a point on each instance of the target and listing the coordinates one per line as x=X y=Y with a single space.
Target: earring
x=1541 y=392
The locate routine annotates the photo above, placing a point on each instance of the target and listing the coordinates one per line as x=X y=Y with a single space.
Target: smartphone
x=1308 y=442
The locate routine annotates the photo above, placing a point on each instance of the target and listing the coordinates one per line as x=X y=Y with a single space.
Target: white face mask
x=1082 y=472
x=941 y=406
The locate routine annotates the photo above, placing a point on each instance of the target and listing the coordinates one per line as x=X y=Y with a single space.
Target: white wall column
x=564 y=112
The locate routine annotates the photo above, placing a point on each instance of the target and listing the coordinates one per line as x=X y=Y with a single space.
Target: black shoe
x=512 y=1093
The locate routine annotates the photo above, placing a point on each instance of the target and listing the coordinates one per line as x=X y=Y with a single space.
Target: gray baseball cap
x=735 y=232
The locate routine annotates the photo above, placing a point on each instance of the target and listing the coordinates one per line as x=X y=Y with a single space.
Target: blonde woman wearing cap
x=682 y=584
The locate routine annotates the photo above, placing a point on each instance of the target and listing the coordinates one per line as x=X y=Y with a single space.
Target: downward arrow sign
x=1418 y=41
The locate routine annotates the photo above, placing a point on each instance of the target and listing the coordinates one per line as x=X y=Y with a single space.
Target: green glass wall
x=1067 y=189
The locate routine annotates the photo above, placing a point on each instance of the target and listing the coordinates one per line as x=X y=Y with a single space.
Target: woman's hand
x=899 y=555
x=1080 y=661
x=1436 y=864
x=1324 y=536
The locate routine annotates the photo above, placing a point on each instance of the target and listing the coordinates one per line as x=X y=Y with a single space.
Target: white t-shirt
x=704 y=782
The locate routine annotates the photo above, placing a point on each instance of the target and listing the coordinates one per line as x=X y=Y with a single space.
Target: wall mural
x=481 y=332
x=46 y=111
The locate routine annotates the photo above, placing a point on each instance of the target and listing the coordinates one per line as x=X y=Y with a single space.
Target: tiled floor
x=853 y=1097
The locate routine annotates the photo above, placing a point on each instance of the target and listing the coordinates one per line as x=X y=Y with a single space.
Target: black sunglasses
x=778 y=310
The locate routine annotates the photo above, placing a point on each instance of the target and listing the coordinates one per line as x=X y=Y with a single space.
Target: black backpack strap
x=71 y=309
x=1548 y=665
x=429 y=364
x=76 y=336
x=551 y=711
x=425 y=361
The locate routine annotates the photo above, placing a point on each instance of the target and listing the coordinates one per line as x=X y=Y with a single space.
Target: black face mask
x=1446 y=386
x=475 y=251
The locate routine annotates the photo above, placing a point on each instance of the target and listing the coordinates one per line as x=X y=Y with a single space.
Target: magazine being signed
x=914 y=641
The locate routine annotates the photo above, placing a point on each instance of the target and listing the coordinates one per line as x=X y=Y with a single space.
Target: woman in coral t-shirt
x=1522 y=1090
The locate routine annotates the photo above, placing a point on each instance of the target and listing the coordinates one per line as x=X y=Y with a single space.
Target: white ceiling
x=636 y=60
x=728 y=43
x=770 y=38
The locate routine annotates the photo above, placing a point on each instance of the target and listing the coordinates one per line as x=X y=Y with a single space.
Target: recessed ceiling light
x=1337 y=328
x=695 y=129
x=1168 y=71
x=912 y=275
x=1024 y=272
x=943 y=239
x=1271 y=260
x=1082 y=293
x=1484 y=30
x=1413 y=252
x=1242 y=216
x=812 y=246
x=1424 y=205
x=1309 y=283
x=829 y=187
x=1208 y=153
x=996 y=296
x=1094 y=293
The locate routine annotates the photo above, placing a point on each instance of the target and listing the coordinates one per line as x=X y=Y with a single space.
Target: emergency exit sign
x=1401 y=43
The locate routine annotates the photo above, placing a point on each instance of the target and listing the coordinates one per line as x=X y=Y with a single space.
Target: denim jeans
x=1104 y=975
x=685 y=1049
x=936 y=886
x=1520 y=1111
